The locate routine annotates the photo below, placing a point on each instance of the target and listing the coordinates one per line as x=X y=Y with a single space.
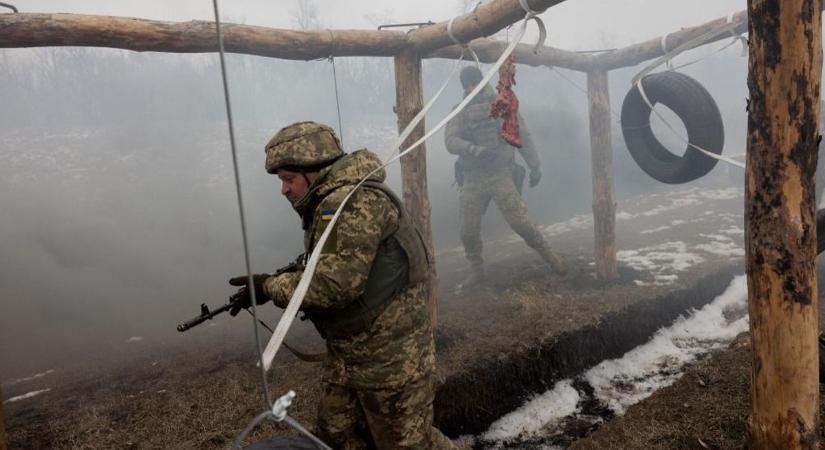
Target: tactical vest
x=401 y=261
x=480 y=128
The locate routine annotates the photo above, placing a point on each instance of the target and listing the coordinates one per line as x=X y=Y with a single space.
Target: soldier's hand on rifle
x=243 y=298
x=535 y=176
x=483 y=153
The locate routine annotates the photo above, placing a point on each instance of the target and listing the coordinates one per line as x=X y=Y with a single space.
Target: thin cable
x=257 y=420
x=583 y=90
x=335 y=81
x=337 y=101
x=250 y=281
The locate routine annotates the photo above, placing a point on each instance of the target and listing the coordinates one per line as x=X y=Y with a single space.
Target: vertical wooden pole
x=604 y=199
x=409 y=101
x=784 y=83
x=3 y=438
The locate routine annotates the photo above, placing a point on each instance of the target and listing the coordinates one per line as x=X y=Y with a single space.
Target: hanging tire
x=699 y=113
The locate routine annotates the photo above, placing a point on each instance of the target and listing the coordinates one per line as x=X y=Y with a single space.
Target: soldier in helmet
x=367 y=297
x=485 y=172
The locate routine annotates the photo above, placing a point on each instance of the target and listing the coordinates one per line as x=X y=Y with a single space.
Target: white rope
x=464 y=46
x=683 y=139
x=663 y=44
x=303 y=285
x=695 y=42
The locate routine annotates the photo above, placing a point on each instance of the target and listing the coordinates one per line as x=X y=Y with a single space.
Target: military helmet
x=304 y=147
x=470 y=76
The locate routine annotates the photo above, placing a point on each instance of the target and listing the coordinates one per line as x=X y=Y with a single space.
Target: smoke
x=119 y=208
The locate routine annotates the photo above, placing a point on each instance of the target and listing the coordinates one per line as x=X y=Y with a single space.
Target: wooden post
x=408 y=102
x=604 y=199
x=3 y=439
x=784 y=82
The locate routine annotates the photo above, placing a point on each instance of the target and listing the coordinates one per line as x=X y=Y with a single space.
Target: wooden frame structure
x=408 y=49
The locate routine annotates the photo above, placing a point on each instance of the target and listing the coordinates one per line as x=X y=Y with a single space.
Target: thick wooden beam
x=409 y=101
x=604 y=199
x=489 y=50
x=643 y=51
x=484 y=20
x=49 y=30
x=784 y=82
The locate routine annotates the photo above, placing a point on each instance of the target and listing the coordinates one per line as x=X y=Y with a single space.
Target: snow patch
x=26 y=395
x=548 y=407
x=662 y=261
x=620 y=383
x=134 y=339
x=31 y=378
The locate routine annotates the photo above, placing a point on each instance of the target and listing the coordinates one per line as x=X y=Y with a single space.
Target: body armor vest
x=401 y=261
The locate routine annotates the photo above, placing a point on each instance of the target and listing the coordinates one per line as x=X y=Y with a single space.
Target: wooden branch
x=638 y=53
x=49 y=30
x=784 y=73
x=483 y=21
x=489 y=50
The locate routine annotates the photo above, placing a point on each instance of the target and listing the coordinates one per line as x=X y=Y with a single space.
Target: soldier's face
x=294 y=185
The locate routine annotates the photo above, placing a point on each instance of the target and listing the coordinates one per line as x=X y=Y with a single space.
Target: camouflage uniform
x=487 y=163
x=378 y=381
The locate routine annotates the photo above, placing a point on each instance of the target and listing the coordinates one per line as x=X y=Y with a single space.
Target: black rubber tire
x=699 y=113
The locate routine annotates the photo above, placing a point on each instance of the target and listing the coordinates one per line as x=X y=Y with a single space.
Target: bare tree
x=307 y=16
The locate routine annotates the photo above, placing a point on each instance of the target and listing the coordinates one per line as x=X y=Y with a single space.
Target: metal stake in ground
x=784 y=83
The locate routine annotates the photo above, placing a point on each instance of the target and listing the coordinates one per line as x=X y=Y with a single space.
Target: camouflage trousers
x=381 y=419
x=474 y=199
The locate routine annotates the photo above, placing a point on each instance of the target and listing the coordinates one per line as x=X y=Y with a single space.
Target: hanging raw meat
x=506 y=104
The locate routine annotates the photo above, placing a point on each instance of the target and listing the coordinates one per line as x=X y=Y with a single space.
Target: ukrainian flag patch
x=326 y=214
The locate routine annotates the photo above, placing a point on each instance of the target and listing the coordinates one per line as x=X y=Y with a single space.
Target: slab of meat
x=506 y=104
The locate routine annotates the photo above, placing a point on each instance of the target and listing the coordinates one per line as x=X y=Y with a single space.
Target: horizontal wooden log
x=484 y=20
x=641 y=52
x=49 y=30
x=489 y=50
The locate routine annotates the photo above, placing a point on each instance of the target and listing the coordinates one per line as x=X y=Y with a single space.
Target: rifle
x=206 y=314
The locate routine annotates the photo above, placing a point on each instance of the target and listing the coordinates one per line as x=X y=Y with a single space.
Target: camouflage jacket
x=473 y=126
x=398 y=348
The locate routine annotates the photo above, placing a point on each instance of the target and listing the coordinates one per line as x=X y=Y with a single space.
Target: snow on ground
x=31 y=378
x=663 y=261
x=623 y=382
x=533 y=416
x=26 y=395
x=620 y=383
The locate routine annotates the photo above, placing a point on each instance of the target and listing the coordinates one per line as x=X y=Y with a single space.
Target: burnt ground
x=497 y=344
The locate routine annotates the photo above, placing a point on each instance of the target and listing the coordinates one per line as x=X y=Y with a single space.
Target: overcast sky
x=574 y=24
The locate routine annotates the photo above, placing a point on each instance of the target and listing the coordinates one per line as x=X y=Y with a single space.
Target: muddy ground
x=497 y=345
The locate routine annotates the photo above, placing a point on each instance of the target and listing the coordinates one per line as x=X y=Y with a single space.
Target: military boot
x=475 y=277
x=556 y=263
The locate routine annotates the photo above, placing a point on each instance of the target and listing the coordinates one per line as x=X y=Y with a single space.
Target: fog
x=116 y=186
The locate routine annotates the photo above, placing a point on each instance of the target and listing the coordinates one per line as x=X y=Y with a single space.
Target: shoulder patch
x=326 y=214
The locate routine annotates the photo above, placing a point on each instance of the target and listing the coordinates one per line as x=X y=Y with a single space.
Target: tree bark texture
x=409 y=101
x=784 y=83
x=604 y=199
